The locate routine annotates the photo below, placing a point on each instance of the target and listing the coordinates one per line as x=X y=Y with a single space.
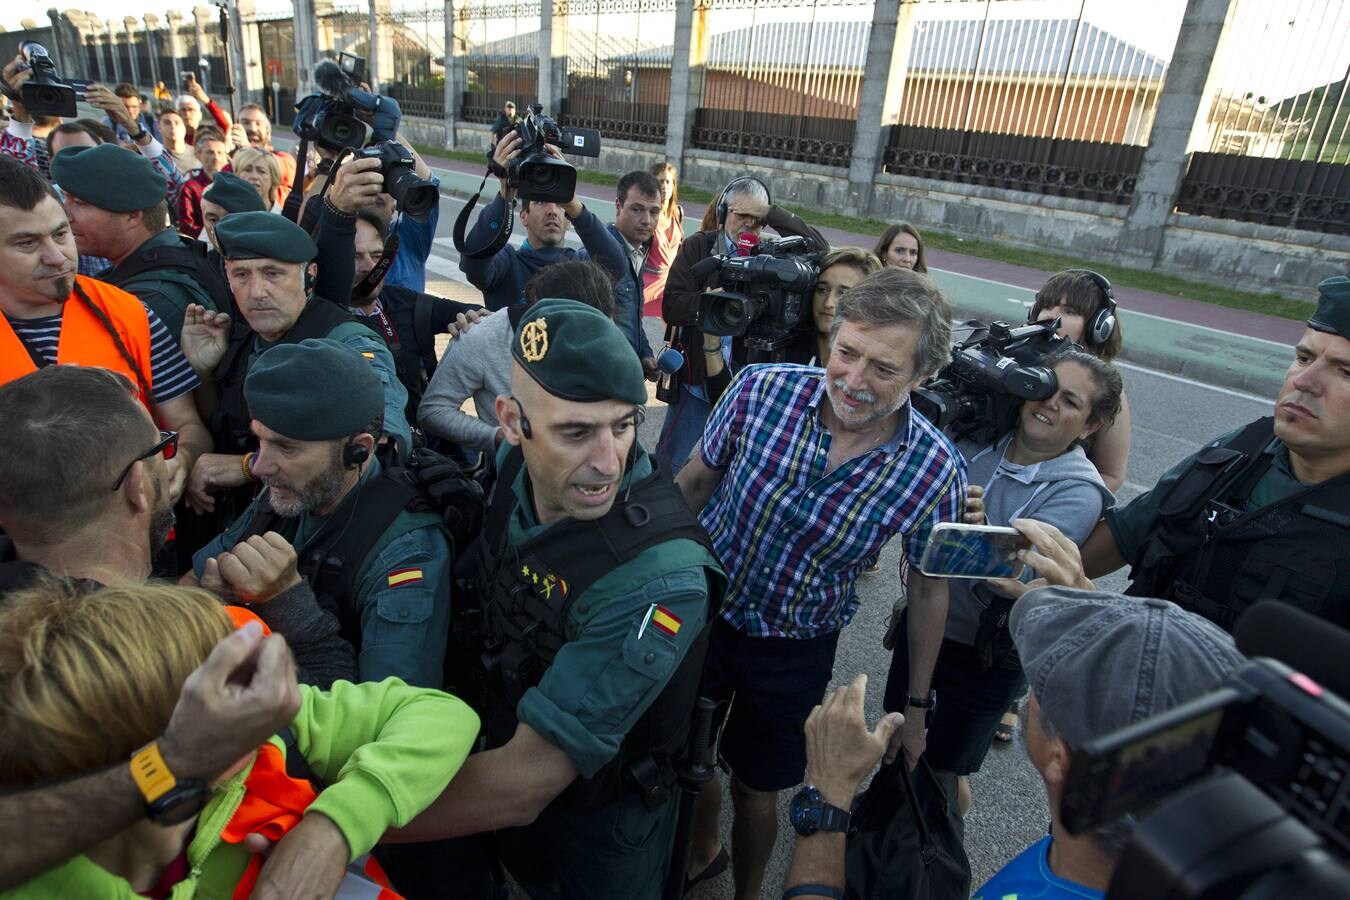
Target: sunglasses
x=168 y=445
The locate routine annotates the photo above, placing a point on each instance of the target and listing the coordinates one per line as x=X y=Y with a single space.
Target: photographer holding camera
x=802 y=476
x=502 y=276
x=743 y=210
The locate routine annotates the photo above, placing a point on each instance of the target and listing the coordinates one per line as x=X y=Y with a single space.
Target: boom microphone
x=1301 y=641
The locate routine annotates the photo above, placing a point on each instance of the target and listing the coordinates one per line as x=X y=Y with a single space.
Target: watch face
x=805 y=811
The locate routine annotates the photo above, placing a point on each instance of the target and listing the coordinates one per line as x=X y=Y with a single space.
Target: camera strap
x=503 y=228
x=294 y=200
x=368 y=285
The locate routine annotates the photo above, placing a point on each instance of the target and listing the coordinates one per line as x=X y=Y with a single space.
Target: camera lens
x=413 y=197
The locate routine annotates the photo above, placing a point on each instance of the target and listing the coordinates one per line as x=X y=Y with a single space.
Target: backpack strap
x=1235 y=463
x=422 y=336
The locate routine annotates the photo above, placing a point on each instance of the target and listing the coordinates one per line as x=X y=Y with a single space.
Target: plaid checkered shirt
x=792 y=535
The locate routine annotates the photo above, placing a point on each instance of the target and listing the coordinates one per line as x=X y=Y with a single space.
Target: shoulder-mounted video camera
x=536 y=174
x=329 y=118
x=765 y=297
x=994 y=368
x=46 y=93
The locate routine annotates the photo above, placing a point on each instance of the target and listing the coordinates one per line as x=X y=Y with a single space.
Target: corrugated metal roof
x=1018 y=47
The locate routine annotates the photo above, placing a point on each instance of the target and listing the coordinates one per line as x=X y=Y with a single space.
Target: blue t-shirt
x=1028 y=877
x=409 y=268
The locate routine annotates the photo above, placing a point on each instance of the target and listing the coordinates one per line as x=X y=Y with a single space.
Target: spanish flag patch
x=666 y=621
x=404 y=576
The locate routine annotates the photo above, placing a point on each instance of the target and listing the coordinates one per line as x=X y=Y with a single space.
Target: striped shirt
x=170 y=374
x=792 y=535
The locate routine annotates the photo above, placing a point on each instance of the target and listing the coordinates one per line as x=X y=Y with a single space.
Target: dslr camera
x=413 y=196
x=765 y=298
x=1260 y=772
x=46 y=93
x=329 y=118
x=994 y=368
x=538 y=175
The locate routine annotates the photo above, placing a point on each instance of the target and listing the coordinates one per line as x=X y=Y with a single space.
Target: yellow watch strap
x=151 y=773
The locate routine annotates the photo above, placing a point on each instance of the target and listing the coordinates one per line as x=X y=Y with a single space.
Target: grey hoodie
x=1065 y=491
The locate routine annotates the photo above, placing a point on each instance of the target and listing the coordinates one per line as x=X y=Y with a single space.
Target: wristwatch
x=809 y=813
x=140 y=133
x=922 y=702
x=168 y=800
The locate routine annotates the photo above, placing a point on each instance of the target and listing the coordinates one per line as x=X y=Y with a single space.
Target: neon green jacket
x=385 y=750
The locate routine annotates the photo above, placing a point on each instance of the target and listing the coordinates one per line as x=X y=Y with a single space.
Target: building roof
x=1018 y=47
x=581 y=45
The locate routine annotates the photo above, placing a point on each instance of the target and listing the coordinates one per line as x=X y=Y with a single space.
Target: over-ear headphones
x=726 y=192
x=354 y=454
x=1098 y=329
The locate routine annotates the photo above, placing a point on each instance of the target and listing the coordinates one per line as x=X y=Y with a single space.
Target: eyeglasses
x=168 y=445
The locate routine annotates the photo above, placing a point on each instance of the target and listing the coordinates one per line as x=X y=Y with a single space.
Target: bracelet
x=813 y=890
x=246 y=464
x=922 y=702
x=331 y=208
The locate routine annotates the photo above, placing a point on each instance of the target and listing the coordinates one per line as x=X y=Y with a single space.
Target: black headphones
x=1102 y=325
x=726 y=191
x=354 y=454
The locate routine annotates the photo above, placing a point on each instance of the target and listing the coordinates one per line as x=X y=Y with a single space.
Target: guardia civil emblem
x=534 y=340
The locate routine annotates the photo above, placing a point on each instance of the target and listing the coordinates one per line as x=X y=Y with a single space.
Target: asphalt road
x=1172 y=416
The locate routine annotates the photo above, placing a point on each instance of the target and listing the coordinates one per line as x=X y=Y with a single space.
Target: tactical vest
x=524 y=621
x=413 y=341
x=229 y=423
x=186 y=263
x=389 y=504
x=1213 y=555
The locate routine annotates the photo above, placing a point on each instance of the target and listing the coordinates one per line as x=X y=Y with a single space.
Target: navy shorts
x=970 y=701
x=773 y=684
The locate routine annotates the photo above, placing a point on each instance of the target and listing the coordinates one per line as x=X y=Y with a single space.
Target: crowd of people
x=280 y=614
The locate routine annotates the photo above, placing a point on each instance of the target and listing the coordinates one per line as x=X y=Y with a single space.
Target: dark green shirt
x=1132 y=523
x=168 y=291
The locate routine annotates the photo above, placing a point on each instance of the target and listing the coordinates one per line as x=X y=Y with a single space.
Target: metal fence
x=1014 y=95
x=1272 y=141
x=618 y=68
x=502 y=58
x=782 y=79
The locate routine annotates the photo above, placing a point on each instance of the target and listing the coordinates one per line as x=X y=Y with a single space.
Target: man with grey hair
x=802 y=476
x=743 y=210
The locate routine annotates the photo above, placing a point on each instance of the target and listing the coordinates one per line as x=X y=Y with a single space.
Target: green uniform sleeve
x=403 y=598
x=385 y=750
x=395 y=394
x=623 y=654
x=166 y=301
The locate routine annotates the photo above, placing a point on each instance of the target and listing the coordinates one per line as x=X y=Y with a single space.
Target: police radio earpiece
x=1098 y=329
x=726 y=192
x=525 y=430
x=354 y=454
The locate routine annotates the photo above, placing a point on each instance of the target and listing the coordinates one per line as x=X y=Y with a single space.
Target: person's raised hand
x=253 y=571
x=1054 y=557
x=505 y=150
x=212 y=472
x=356 y=185
x=308 y=862
x=748 y=207
x=240 y=696
x=15 y=74
x=840 y=750
x=973 y=513
x=205 y=337
x=195 y=89
x=237 y=138
x=101 y=96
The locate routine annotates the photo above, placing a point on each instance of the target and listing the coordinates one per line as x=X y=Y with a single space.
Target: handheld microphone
x=746 y=243
x=670 y=361
x=1301 y=641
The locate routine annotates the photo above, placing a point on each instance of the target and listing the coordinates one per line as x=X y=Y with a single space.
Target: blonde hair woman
x=260 y=168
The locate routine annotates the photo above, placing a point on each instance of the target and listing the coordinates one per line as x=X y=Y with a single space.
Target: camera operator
x=743 y=209
x=802 y=476
x=502 y=277
x=1037 y=470
x=1259 y=513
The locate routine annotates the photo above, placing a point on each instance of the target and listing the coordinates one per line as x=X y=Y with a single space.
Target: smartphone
x=956 y=550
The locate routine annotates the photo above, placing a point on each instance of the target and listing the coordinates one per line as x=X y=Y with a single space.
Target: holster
x=993 y=642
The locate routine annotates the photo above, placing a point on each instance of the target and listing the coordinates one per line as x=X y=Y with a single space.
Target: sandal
x=1003 y=734
x=719 y=865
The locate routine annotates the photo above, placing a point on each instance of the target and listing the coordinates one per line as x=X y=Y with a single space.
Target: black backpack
x=187 y=262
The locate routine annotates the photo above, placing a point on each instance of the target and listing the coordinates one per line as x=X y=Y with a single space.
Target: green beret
x=234 y=194
x=109 y=177
x=577 y=353
x=1333 y=307
x=263 y=235
x=316 y=390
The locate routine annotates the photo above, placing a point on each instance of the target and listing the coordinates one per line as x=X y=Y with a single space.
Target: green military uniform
x=395 y=607
x=110 y=178
x=1232 y=525
x=624 y=642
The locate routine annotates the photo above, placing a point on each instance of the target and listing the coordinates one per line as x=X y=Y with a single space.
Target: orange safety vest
x=85 y=340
